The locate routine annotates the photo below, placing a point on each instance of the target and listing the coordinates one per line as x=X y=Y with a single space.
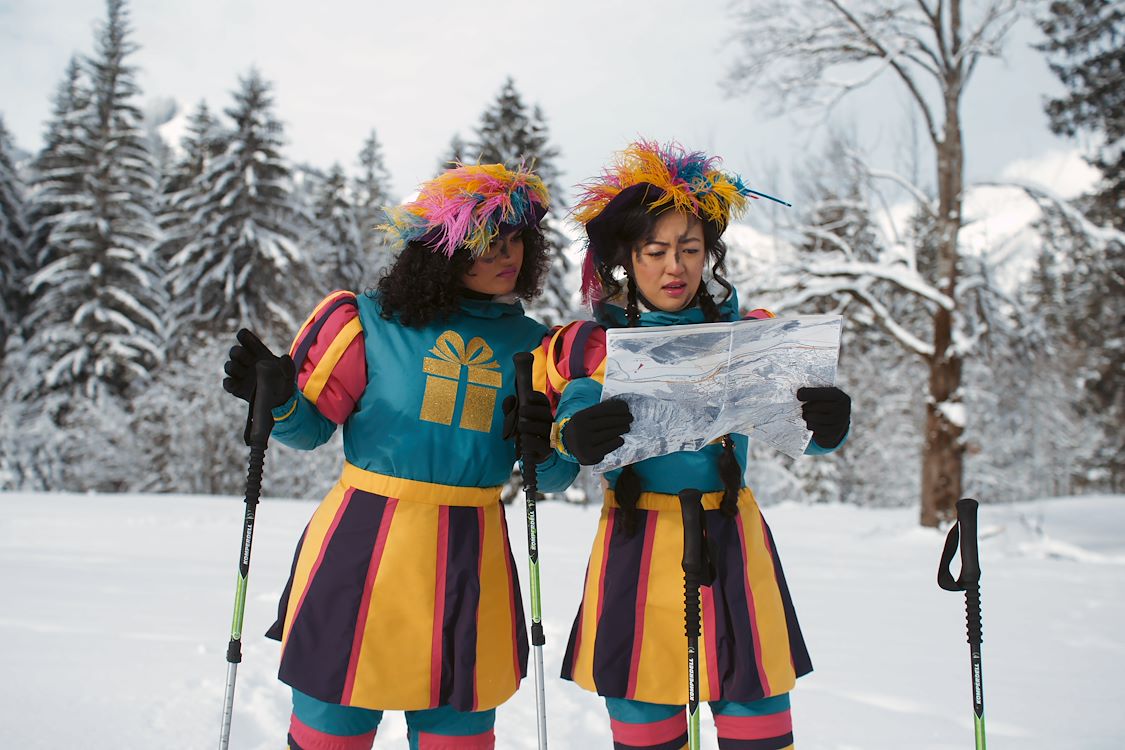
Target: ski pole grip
x=693 y=531
x=524 y=363
x=261 y=414
x=970 y=560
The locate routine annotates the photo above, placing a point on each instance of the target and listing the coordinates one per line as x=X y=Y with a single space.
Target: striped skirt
x=404 y=596
x=628 y=639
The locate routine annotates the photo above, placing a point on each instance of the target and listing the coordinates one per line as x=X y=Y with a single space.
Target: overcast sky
x=417 y=72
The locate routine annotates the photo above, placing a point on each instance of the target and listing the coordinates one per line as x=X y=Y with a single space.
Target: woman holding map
x=654 y=221
x=403 y=594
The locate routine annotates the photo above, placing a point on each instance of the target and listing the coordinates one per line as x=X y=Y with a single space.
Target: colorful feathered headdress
x=467 y=205
x=659 y=176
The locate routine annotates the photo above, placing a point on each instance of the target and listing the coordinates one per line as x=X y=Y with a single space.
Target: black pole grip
x=970 y=561
x=693 y=561
x=693 y=532
x=261 y=414
x=524 y=362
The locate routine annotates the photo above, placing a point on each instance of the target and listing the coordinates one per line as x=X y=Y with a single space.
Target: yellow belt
x=661 y=501
x=416 y=491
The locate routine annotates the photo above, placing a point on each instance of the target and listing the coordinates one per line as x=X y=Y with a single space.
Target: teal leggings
x=317 y=725
x=759 y=725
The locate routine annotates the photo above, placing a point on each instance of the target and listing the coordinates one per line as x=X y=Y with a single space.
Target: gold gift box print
x=443 y=380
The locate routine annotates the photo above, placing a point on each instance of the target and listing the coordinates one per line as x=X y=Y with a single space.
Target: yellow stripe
x=583 y=672
x=661 y=501
x=429 y=493
x=287 y=414
x=772 y=629
x=394 y=659
x=557 y=381
x=662 y=671
x=310 y=549
x=539 y=369
x=496 y=678
x=316 y=311
x=327 y=363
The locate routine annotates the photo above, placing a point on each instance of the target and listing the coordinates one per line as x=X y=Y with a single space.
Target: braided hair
x=633 y=227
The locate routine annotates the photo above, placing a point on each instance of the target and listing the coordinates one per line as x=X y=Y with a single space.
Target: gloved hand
x=596 y=430
x=242 y=371
x=827 y=412
x=531 y=423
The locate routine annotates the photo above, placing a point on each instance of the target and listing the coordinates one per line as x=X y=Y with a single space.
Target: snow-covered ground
x=116 y=612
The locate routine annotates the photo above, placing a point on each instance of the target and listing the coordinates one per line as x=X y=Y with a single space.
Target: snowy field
x=116 y=613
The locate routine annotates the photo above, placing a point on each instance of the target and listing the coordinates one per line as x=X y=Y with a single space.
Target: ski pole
x=695 y=568
x=969 y=582
x=259 y=423
x=523 y=362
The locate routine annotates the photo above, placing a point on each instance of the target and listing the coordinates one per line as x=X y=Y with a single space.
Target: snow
x=117 y=613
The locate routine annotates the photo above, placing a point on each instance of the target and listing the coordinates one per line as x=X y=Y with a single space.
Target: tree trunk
x=943 y=452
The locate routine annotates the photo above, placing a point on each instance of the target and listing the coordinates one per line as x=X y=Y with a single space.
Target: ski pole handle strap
x=964 y=531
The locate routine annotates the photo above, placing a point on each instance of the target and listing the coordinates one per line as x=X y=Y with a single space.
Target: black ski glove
x=596 y=430
x=827 y=412
x=242 y=377
x=530 y=424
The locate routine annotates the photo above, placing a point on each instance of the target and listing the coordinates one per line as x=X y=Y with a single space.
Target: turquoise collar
x=612 y=315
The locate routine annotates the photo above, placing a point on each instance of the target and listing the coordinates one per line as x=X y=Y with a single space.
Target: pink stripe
x=712 y=665
x=480 y=573
x=645 y=735
x=763 y=678
x=642 y=599
x=439 y=606
x=313 y=739
x=364 y=604
x=754 y=727
x=511 y=596
x=482 y=741
x=320 y=555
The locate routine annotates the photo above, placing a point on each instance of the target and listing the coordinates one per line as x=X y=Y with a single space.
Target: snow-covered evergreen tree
x=1086 y=49
x=338 y=253
x=510 y=133
x=94 y=324
x=456 y=153
x=243 y=266
x=372 y=193
x=13 y=240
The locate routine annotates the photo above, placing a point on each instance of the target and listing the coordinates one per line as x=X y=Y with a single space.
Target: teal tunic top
x=672 y=472
x=431 y=407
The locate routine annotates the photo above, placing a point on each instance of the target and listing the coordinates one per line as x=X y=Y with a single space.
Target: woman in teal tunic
x=654 y=222
x=403 y=593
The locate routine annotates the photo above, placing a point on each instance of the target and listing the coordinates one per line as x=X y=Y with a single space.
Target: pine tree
x=337 y=238
x=510 y=134
x=454 y=155
x=243 y=266
x=372 y=193
x=13 y=240
x=1086 y=47
x=95 y=322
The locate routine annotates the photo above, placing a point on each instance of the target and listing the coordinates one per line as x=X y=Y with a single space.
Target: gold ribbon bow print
x=443 y=381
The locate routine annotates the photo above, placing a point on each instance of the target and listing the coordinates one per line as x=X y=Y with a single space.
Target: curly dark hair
x=422 y=285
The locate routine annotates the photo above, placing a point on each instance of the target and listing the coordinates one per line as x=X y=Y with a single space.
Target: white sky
x=418 y=72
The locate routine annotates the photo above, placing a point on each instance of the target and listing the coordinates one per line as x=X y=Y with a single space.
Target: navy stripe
x=613 y=646
x=277 y=630
x=770 y=743
x=578 y=350
x=675 y=744
x=317 y=652
x=802 y=663
x=314 y=329
x=741 y=682
x=462 y=599
x=721 y=533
